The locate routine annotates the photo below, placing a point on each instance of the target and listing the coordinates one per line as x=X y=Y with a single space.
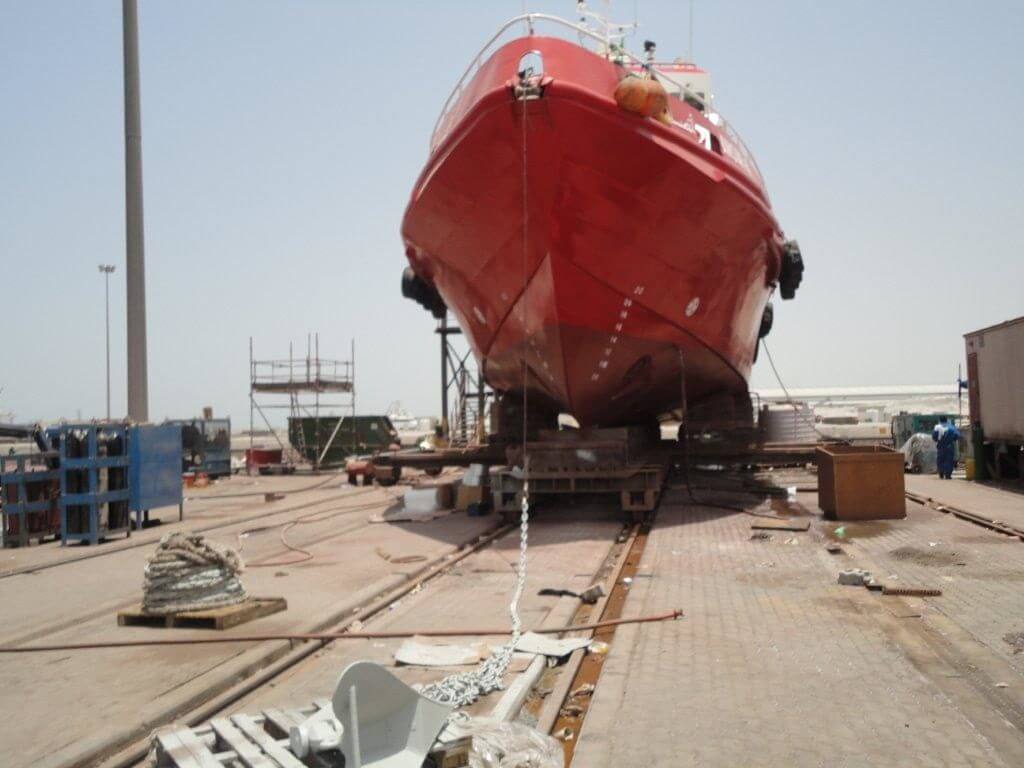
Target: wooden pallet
x=261 y=741
x=215 y=618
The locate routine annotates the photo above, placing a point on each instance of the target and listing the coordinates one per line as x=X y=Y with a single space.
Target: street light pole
x=135 y=262
x=107 y=269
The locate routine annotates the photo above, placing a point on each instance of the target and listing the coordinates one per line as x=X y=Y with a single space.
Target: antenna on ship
x=602 y=24
x=689 y=47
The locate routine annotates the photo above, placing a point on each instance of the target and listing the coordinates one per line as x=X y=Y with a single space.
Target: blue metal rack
x=89 y=509
x=154 y=470
x=18 y=473
x=205 y=445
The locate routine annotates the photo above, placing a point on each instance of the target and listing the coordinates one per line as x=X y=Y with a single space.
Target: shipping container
x=995 y=376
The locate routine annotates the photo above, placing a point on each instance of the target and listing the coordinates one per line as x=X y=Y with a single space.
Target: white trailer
x=995 y=374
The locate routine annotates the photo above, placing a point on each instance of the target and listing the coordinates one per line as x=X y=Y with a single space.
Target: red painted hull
x=638 y=245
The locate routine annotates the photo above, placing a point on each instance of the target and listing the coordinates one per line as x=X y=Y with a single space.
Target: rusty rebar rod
x=465 y=632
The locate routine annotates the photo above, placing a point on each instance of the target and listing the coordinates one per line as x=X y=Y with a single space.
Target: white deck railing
x=529 y=19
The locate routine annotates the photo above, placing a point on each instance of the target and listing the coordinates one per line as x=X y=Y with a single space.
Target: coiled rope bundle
x=187 y=573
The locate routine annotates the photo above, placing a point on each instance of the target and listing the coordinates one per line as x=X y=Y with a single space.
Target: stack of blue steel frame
x=93 y=480
x=28 y=497
x=205 y=446
x=154 y=471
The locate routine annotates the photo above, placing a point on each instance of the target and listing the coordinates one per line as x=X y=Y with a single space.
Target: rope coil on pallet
x=187 y=573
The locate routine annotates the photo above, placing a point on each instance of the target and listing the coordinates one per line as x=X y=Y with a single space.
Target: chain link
x=463 y=688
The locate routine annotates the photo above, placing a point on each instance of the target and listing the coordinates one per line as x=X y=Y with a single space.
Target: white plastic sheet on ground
x=499 y=744
x=920 y=454
x=532 y=642
x=418 y=652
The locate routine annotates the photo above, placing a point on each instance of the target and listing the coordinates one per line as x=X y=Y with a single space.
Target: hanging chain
x=463 y=688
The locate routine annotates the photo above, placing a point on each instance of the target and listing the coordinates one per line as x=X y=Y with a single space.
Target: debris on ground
x=415 y=651
x=911 y=592
x=399 y=559
x=188 y=573
x=398 y=514
x=771 y=524
x=537 y=644
x=930 y=557
x=420 y=505
x=497 y=744
x=854 y=577
x=1015 y=641
x=590 y=595
x=833 y=549
x=584 y=690
x=599 y=647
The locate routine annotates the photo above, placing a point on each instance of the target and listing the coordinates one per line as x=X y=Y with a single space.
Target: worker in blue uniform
x=945 y=436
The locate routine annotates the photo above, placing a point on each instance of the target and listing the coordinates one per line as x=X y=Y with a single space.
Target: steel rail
x=963 y=514
x=217 y=698
x=130 y=752
x=114 y=549
x=259 y=561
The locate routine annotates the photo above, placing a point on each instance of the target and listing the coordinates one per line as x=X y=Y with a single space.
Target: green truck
x=324 y=442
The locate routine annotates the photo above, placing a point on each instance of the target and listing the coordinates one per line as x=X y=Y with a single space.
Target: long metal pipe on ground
x=329 y=636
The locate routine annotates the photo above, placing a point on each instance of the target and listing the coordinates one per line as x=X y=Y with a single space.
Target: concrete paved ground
x=985 y=499
x=565 y=551
x=227 y=500
x=775 y=664
x=69 y=704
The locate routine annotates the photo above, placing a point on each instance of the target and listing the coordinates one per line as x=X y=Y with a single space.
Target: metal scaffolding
x=303 y=381
x=464 y=394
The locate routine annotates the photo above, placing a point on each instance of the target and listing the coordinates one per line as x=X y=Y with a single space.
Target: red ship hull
x=585 y=250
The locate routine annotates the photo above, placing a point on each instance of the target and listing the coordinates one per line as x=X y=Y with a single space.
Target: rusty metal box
x=858 y=482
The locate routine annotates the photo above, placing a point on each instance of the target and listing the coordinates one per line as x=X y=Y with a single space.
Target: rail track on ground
x=248 y=527
x=115 y=547
x=966 y=515
x=625 y=546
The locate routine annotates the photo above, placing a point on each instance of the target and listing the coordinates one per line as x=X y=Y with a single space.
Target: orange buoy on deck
x=631 y=94
x=642 y=96
x=657 y=100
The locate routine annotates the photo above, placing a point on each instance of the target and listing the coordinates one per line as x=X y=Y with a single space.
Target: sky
x=281 y=139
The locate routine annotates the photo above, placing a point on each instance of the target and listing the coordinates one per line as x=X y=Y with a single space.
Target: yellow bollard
x=969 y=468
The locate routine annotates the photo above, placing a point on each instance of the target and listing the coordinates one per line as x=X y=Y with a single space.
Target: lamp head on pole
x=106 y=268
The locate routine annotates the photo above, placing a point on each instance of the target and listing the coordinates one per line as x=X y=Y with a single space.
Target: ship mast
x=601 y=24
x=689 y=46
